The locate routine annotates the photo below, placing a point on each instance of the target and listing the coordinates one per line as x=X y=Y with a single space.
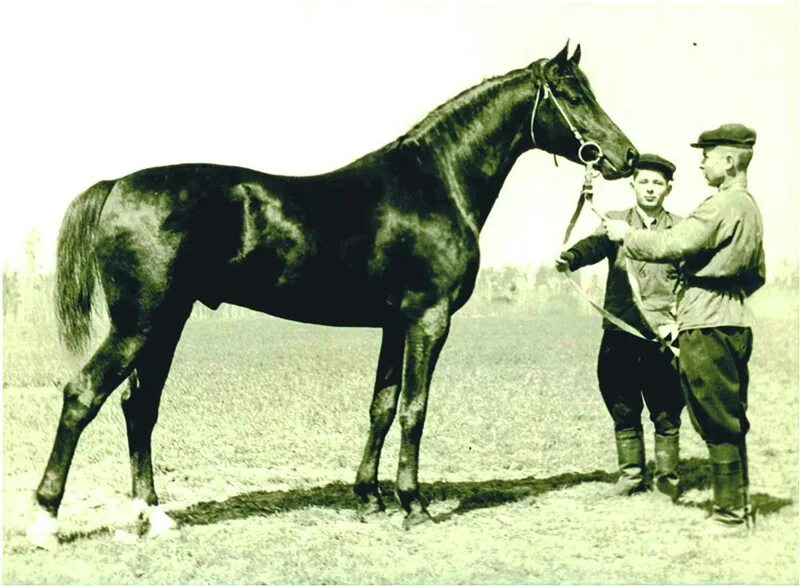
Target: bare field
x=261 y=431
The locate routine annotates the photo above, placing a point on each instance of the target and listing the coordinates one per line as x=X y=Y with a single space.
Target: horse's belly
x=327 y=298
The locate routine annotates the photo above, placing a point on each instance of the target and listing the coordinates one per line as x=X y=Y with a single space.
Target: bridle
x=585 y=154
x=590 y=153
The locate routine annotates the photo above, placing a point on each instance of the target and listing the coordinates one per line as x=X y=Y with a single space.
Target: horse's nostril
x=631 y=157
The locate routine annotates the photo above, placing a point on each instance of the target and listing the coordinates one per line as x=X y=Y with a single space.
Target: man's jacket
x=721 y=244
x=657 y=282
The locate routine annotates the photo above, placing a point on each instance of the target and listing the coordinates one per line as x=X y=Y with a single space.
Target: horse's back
x=293 y=246
x=341 y=248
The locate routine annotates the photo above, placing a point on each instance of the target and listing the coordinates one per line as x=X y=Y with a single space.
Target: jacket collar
x=738 y=183
x=636 y=217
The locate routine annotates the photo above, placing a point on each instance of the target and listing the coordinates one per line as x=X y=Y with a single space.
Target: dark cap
x=728 y=134
x=656 y=163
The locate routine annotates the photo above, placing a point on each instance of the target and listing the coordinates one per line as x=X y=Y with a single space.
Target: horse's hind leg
x=83 y=397
x=140 y=403
x=381 y=414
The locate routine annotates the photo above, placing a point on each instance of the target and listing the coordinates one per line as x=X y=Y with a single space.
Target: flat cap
x=660 y=164
x=727 y=134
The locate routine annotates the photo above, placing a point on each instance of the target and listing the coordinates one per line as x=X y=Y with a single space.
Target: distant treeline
x=28 y=295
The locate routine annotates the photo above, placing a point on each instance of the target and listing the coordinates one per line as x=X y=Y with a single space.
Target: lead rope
x=586 y=196
x=637 y=300
x=589 y=153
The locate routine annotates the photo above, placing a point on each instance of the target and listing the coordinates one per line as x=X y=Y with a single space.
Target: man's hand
x=563 y=261
x=616 y=230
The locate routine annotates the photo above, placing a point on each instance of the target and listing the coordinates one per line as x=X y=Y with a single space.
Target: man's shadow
x=694 y=474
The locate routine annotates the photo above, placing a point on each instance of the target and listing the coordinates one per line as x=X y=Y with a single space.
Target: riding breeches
x=715 y=378
x=630 y=369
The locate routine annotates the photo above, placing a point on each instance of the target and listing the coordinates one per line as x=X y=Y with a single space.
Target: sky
x=96 y=90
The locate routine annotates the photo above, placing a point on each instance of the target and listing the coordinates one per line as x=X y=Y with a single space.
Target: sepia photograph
x=385 y=292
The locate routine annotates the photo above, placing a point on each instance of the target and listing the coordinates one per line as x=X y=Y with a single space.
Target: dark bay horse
x=389 y=241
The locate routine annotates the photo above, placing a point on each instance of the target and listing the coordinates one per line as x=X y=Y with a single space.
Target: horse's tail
x=76 y=265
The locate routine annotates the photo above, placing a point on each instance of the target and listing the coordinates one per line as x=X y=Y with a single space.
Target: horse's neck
x=483 y=128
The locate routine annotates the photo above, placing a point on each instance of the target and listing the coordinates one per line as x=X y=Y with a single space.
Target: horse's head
x=567 y=120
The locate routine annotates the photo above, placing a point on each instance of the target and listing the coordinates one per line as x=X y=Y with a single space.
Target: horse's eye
x=570 y=95
x=568 y=90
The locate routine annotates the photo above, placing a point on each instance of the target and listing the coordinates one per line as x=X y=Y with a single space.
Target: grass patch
x=261 y=431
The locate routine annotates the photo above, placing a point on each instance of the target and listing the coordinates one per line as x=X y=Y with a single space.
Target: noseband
x=585 y=155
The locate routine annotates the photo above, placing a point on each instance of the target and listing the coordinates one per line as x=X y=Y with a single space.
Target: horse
x=389 y=241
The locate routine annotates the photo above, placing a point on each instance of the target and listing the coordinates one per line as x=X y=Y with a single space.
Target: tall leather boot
x=667 y=448
x=630 y=454
x=730 y=513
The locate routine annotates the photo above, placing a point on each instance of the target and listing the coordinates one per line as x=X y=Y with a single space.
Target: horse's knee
x=384 y=407
x=412 y=421
x=382 y=419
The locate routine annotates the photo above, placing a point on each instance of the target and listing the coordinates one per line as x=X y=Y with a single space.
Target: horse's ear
x=558 y=62
x=561 y=58
x=576 y=56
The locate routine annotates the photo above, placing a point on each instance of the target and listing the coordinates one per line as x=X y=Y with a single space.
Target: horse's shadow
x=694 y=473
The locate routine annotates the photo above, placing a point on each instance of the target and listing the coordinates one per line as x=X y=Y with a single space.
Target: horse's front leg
x=381 y=414
x=424 y=341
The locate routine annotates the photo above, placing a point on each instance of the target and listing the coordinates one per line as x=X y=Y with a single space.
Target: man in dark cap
x=720 y=246
x=630 y=368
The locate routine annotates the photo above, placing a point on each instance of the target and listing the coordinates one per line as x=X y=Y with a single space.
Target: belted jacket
x=721 y=246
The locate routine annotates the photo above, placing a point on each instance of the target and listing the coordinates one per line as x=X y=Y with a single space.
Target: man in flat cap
x=630 y=368
x=720 y=246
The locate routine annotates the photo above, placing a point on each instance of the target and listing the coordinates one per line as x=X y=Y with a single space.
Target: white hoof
x=43 y=532
x=140 y=511
x=160 y=523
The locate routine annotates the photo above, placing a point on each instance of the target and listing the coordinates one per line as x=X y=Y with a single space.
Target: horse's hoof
x=140 y=511
x=45 y=541
x=414 y=518
x=43 y=532
x=370 y=510
x=161 y=524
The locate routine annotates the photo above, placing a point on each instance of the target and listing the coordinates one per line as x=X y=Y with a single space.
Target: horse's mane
x=447 y=118
x=448 y=122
